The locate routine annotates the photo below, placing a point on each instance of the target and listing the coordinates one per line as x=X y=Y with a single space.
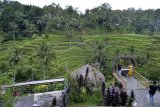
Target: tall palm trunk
x=70 y=44
x=46 y=71
x=14 y=38
x=14 y=75
x=44 y=74
x=12 y=72
x=15 y=68
x=32 y=74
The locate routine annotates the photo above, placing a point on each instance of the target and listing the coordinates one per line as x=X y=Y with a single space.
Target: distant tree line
x=18 y=20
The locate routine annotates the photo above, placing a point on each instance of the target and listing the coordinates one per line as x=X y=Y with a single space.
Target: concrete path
x=141 y=93
x=132 y=83
x=25 y=101
x=41 y=99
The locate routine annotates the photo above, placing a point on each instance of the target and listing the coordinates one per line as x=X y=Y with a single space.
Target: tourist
x=130 y=72
x=16 y=93
x=152 y=91
x=119 y=69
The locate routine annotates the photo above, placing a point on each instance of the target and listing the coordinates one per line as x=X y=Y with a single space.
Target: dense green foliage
x=6 y=95
x=51 y=42
x=30 y=67
x=17 y=20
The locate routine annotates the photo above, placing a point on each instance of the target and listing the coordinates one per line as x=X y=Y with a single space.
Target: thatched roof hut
x=94 y=76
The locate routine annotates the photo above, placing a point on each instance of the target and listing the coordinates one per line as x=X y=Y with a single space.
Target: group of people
x=130 y=72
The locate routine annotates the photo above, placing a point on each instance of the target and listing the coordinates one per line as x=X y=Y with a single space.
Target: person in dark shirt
x=152 y=91
x=119 y=69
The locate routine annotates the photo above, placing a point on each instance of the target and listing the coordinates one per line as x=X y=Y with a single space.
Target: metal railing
x=121 y=79
x=142 y=80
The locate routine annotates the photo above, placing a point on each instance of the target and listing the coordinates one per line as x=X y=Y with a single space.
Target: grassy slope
x=76 y=55
x=71 y=57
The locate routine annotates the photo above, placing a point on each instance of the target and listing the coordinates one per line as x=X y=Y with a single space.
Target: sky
x=82 y=5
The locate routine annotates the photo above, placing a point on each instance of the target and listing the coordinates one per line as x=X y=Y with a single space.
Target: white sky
x=89 y=4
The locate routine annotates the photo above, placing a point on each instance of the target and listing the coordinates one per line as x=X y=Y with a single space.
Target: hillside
x=70 y=57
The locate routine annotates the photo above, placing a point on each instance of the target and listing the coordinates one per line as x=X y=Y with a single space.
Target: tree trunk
x=44 y=75
x=12 y=70
x=70 y=43
x=14 y=38
x=32 y=75
x=14 y=75
x=46 y=70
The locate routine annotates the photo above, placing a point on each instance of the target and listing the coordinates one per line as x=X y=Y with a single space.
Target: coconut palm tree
x=3 y=68
x=131 y=50
x=69 y=35
x=45 y=55
x=31 y=60
x=14 y=61
x=14 y=28
x=99 y=53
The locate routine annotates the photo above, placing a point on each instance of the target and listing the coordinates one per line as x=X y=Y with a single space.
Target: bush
x=41 y=88
x=131 y=99
x=77 y=98
x=54 y=101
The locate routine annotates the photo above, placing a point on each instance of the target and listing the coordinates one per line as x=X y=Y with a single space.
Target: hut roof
x=94 y=75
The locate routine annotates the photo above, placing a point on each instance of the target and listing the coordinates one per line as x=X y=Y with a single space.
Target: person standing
x=152 y=91
x=119 y=69
x=130 y=72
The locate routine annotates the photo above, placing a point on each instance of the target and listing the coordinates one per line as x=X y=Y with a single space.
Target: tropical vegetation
x=51 y=42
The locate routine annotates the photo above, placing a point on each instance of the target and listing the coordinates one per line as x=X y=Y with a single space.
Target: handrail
x=121 y=79
x=140 y=75
x=141 y=79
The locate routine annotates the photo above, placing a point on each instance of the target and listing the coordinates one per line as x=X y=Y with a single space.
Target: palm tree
x=31 y=60
x=131 y=50
x=3 y=68
x=14 y=28
x=41 y=25
x=99 y=53
x=46 y=56
x=69 y=34
x=14 y=61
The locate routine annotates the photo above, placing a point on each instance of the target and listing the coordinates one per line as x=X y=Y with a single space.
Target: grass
x=76 y=55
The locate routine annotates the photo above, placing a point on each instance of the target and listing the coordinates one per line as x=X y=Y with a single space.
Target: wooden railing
x=121 y=79
x=143 y=81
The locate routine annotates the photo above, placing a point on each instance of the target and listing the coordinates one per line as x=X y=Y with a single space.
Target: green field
x=72 y=57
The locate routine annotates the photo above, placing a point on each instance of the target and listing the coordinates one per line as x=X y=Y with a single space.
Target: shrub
x=41 y=88
x=131 y=99
x=54 y=101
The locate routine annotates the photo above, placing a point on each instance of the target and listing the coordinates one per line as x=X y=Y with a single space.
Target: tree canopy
x=25 y=20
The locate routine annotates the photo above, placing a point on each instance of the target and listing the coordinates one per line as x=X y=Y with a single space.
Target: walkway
x=41 y=99
x=141 y=93
x=25 y=101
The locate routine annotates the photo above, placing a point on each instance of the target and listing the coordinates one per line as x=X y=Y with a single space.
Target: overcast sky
x=82 y=5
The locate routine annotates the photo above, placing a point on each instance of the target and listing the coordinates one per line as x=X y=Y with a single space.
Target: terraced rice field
x=71 y=55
